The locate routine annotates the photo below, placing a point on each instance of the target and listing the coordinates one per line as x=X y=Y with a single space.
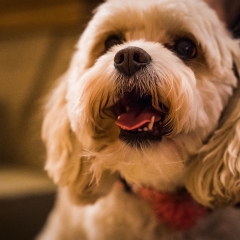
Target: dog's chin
x=143 y=138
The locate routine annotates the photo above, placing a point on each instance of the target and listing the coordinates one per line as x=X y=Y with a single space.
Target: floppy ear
x=213 y=176
x=65 y=163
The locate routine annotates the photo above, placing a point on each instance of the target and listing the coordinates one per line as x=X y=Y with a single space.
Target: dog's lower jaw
x=139 y=139
x=160 y=164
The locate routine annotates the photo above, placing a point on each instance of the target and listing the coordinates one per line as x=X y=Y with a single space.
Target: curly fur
x=85 y=156
x=213 y=174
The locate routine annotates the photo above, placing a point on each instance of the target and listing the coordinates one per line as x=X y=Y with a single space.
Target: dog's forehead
x=151 y=17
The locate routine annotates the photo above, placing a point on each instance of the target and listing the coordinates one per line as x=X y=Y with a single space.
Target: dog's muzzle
x=140 y=122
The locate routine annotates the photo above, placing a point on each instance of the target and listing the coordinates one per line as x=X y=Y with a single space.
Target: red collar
x=178 y=211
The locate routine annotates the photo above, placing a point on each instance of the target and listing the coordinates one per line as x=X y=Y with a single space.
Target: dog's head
x=144 y=92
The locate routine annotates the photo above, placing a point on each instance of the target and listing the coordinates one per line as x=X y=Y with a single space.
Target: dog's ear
x=65 y=163
x=213 y=176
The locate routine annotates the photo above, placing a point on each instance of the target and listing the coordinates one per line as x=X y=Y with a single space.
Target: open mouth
x=138 y=120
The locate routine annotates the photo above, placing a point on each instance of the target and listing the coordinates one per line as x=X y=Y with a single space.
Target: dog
x=142 y=131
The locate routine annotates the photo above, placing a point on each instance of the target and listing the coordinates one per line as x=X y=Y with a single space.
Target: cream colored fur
x=84 y=153
x=213 y=175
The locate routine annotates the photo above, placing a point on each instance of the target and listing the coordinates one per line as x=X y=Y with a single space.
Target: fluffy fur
x=85 y=156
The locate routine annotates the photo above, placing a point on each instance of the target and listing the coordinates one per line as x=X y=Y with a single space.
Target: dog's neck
x=178 y=211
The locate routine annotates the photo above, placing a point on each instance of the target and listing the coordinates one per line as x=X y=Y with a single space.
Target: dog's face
x=146 y=89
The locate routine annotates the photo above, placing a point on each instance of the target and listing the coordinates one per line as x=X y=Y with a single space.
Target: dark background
x=37 y=39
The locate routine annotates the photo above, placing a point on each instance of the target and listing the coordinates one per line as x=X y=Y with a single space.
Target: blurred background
x=37 y=40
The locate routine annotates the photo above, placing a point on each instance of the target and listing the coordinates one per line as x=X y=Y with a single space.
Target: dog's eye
x=185 y=48
x=112 y=41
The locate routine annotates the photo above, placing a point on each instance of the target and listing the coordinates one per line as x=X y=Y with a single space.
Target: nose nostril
x=119 y=58
x=136 y=58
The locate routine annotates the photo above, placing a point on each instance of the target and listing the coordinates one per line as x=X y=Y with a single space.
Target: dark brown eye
x=185 y=48
x=112 y=41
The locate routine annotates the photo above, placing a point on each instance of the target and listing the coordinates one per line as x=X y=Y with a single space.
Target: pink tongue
x=137 y=117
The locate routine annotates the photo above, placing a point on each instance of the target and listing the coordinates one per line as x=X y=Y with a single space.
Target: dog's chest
x=121 y=215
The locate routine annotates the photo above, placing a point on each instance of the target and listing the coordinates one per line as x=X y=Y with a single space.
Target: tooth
x=135 y=188
x=150 y=125
x=127 y=108
x=118 y=117
x=145 y=129
x=140 y=130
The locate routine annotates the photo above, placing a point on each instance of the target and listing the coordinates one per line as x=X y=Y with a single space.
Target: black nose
x=131 y=59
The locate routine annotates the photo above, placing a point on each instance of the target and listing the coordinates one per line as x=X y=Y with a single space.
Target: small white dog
x=132 y=125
